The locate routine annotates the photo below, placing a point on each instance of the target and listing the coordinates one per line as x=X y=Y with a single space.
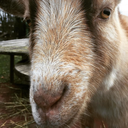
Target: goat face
x=71 y=54
x=73 y=46
x=62 y=61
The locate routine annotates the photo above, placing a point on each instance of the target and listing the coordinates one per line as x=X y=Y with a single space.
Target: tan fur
x=79 y=63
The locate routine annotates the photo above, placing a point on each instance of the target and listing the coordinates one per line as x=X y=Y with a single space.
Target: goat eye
x=105 y=13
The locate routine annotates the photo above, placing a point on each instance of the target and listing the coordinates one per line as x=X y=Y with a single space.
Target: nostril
x=45 y=100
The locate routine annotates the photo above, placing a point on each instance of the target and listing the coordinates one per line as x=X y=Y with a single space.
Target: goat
x=79 y=63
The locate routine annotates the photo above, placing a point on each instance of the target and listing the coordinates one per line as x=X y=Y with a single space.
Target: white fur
x=110 y=79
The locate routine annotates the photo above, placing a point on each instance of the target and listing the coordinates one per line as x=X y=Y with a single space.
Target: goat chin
x=78 y=51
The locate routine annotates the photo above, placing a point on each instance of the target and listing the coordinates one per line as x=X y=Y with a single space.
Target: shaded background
x=12 y=27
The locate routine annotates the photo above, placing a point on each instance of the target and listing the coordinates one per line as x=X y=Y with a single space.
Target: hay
x=19 y=107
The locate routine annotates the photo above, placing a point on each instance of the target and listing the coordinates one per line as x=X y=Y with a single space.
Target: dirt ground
x=15 y=109
x=9 y=117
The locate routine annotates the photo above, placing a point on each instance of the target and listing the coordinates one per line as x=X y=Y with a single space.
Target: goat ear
x=16 y=7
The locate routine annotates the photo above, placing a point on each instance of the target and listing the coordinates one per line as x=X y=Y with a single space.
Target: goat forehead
x=58 y=25
x=55 y=13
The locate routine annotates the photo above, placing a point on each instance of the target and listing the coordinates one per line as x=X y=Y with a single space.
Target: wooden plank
x=14 y=46
x=22 y=70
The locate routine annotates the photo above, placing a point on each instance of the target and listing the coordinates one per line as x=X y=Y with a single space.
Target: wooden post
x=12 y=68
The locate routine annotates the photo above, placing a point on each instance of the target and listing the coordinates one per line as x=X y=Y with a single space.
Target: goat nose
x=46 y=100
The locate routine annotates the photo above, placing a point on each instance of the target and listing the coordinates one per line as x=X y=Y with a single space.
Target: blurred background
x=12 y=27
x=123 y=7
